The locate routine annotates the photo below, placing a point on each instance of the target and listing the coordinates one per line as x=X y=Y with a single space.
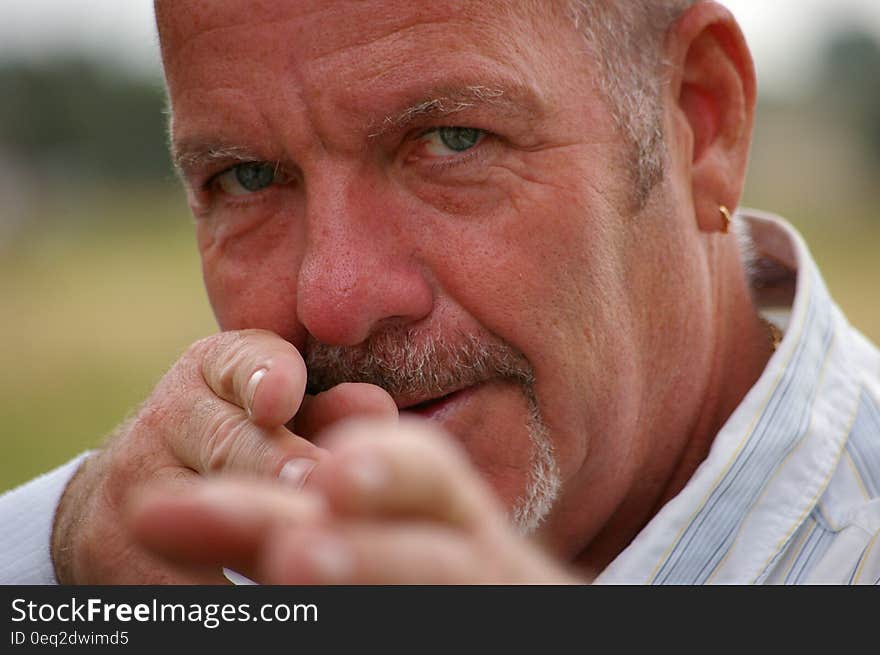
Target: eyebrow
x=516 y=100
x=192 y=154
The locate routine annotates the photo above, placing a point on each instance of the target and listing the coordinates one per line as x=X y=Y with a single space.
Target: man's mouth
x=435 y=408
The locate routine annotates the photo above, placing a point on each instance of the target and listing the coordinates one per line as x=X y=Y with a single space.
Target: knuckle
x=233 y=340
x=231 y=443
x=206 y=345
x=166 y=406
x=438 y=444
x=150 y=419
x=158 y=420
x=193 y=358
x=268 y=459
x=420 y=441
x=220 y=356
x=211 y=349
x=221 y=434
x=125 y=466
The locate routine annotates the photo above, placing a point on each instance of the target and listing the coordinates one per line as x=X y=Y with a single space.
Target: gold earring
x=728 y=219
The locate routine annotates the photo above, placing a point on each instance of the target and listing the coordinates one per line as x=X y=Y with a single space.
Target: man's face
x=374 y=174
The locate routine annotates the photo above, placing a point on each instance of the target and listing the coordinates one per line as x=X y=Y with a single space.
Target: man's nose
x=360 y=270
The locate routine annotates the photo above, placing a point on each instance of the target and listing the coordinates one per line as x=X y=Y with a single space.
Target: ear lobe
x=715 y=100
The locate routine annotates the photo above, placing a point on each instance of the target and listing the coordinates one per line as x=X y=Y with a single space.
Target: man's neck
x=743 y=346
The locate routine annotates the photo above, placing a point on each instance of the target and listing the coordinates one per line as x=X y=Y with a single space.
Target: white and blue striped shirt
x=790 y=491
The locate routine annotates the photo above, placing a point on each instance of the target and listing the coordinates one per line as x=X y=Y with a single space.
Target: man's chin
x=500 y=428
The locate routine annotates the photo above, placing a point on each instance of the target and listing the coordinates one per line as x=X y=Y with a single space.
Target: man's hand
x=390 y=504
x=223 y=407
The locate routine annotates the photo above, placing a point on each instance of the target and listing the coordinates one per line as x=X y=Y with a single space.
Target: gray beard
x=544 y=482
x=407 y=361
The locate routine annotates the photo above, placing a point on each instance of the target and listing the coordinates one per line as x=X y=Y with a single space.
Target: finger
x=217 y=523
x=369 y=554
x=257 y=371
x=217 y=436
x=343 y=401
x=407 y=469
x=399 y=554
x=132 y=563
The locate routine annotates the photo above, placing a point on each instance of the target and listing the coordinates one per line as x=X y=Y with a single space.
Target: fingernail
x=296 y=472
x=237 y=578
x=251 y=391
x=331 y=559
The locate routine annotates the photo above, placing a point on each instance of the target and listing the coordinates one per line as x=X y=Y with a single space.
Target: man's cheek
x=243 y=298
x=470 y=198
x=254 y=230
x=560 y=178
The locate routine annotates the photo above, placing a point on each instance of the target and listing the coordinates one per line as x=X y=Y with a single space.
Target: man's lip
x=431 y=406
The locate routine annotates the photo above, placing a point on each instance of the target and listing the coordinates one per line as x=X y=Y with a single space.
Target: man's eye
x=242 y=179
x=446 y=141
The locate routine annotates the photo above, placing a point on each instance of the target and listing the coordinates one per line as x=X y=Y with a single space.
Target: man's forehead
x=180 y=20
x=333 y=43
x=367 y=66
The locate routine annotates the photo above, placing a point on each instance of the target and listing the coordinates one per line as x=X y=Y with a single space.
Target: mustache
x=406 y=361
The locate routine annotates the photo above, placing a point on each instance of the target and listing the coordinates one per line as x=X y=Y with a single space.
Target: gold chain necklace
x=774 y=332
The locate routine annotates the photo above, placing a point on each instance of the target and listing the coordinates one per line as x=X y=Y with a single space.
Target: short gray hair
x=626 y=37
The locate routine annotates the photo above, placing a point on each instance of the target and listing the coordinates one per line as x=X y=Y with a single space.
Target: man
x=506 y=222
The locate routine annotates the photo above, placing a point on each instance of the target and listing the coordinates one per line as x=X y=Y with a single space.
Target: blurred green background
x=101 y=288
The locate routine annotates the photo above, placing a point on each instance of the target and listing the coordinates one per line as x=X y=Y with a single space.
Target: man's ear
x=713 y=91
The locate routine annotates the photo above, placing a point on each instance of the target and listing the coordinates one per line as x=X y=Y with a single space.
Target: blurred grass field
x=103 y=293
x=92 y=319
